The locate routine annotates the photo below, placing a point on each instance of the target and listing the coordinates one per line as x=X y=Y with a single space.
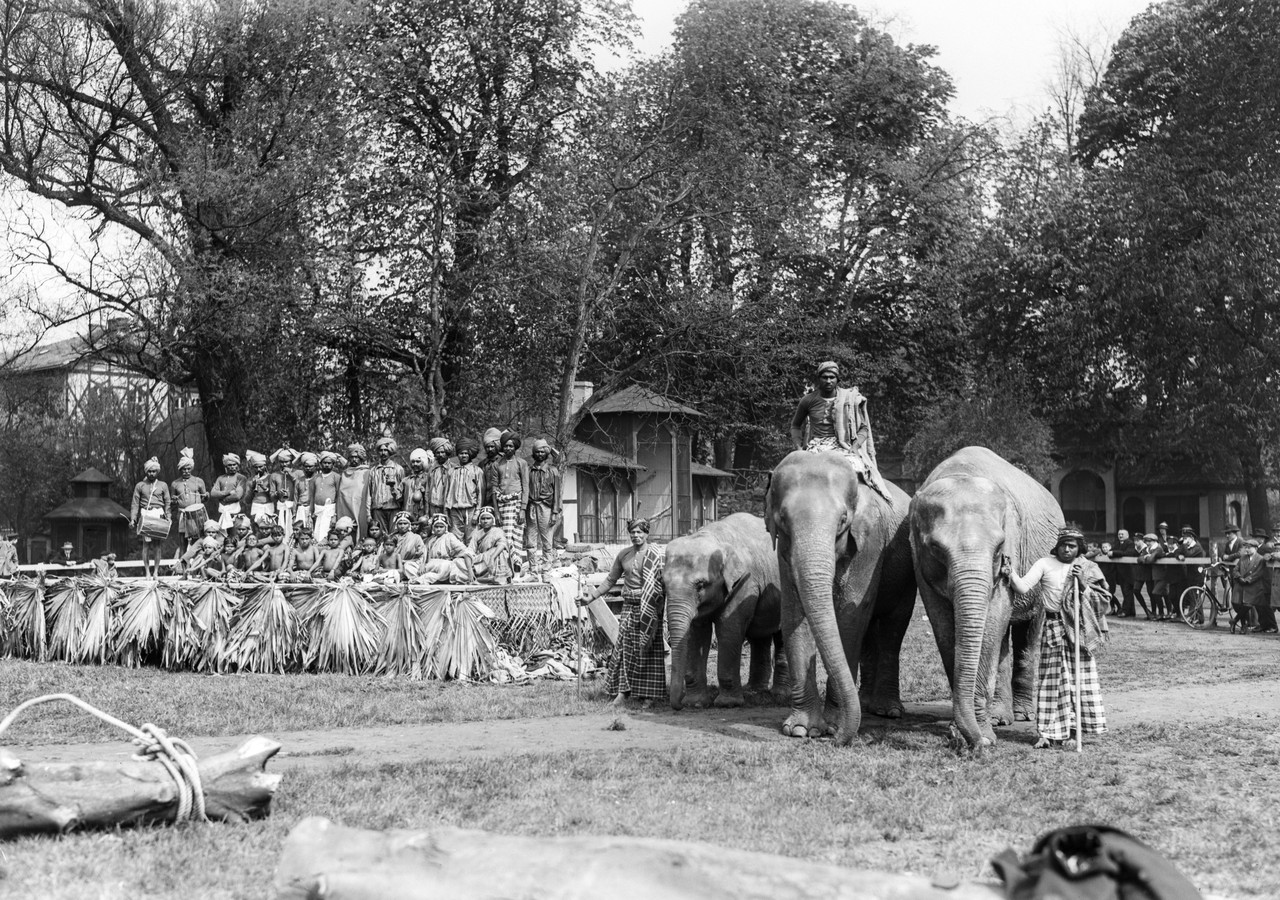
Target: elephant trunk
x=679 y=615
x=971 y=595
x=813 y=560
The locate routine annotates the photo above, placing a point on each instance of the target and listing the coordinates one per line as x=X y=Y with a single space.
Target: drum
x=152 y=525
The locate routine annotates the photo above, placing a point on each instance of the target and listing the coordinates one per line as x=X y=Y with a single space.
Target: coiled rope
x=177 y=757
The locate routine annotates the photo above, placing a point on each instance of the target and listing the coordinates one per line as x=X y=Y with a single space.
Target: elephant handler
x=837 y=419
x=638 y=665
x=1056 y=679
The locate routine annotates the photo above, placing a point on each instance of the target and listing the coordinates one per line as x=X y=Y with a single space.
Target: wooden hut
x=90 y=520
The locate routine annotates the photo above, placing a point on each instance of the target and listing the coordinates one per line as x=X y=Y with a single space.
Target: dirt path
x=664 y=728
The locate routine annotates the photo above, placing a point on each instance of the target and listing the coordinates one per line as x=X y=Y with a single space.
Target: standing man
x=492 y=443
x=281 y=489
x=385 y=483
x=151 y=502
x=543 y=511
x=466 y=490
x=353 y=489
x=413 y=490
x=1125 y=549
x=188 y=500
x=229 y=490
x=259 y=501
x=324 y=495
x=512 y=487
x=1230 y=549
x=302 y=480
x=438 y=477
x=837 y=420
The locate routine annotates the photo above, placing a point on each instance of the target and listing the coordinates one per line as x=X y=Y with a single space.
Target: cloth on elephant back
x=850 y=417
x=638 y=665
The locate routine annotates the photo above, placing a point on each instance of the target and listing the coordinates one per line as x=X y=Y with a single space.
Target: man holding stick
x=1074 y=595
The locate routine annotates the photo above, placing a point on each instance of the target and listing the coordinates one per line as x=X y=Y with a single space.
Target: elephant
x=972 y=511
x=723 y=576
x=848 y=590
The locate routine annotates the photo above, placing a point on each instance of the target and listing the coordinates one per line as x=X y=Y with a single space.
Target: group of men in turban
x=293 y=492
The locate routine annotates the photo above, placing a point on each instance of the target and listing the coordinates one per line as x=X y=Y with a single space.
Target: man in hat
x=1249 y=591
x=1125 y=549
x=63 y=556
x=188 y=499
x=438 y=476
x=492 y=443
x=1183 y=576
x=837 y=420
x=280 y=488
x=229 y=491
x=302 y=477
x=413 y=490
x=512 y=490
x=354 y=489
x=1232 y=546
x=1152 y=551
x=150 y=497
x=466 y=490
x=543 y=509
x=324 y=495
x=259 y=502
x=385 y=483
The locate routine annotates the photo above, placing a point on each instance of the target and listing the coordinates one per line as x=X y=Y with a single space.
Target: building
x=633 y=456
x=93 y=522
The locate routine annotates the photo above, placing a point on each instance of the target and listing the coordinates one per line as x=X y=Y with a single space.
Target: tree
x=200 y=136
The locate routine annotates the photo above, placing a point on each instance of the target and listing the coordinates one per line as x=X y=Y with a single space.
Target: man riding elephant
x=837 y=420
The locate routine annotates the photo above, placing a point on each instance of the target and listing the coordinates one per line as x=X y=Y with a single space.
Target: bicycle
x=1200 y=604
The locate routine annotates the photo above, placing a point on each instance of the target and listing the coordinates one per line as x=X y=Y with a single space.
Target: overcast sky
x=1000 y=53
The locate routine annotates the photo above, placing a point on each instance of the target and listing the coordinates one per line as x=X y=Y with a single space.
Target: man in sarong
x=353 y=489
x=188 y=500
x=324 y=495
x=259 y=502
x=837 y=420
x=281 y=489
x=438 y=476
x=512 y=487
x=542 y=513
x=385 y=480
x=229 y=491
x=302 y=480
x=413 y=490
x=492 y=443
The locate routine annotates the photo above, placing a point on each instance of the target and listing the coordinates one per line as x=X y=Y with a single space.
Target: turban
x=209 y=543
x=263 y=520
x=468 y=445
x=255 y=458
x=344 y=523
x=151 y=465
x=283 y=455
x=638 y=522
x=230 y=459
x=241 y=521
x=356 y=449
x=440 y=517
x=420 y=455
x=339 y=461
x=828 y=367
x=401 y=516
x=329 y=455
x=541 y=444
x=186 y=458
x=387 y=442
x=1070 y=535
x=212 y=527
x=510 y=436
x=440 y=443
x=492 y=436
x=308 y=459
x=423 y=521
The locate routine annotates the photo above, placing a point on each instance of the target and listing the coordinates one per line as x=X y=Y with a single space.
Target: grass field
x=896 y=800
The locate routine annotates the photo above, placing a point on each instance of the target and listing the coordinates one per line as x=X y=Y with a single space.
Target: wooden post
x=321 y=859
x=61 y=797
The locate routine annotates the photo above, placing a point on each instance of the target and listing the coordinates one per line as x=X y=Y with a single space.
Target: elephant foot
x=729 y=700
x=1022 y=714
x=890 y=709
x=1002 y=714
x=961 y=744
x=757 y=687
x=806 y=725
x=698 y=699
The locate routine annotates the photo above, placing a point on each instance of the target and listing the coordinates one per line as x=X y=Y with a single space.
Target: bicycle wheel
x=1198 y=607
x=1222 y=596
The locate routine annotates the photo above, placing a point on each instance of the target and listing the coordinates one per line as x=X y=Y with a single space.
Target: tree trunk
x=339 y=863
x=222 y=403
x=58 y=797
x=1255 y=484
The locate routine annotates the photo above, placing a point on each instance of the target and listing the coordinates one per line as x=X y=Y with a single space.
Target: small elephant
x=723 y=576
x=847 y=590
x=971 y=513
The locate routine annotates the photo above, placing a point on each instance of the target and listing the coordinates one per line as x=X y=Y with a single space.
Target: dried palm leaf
x=25 y=633
x=266 y=635
x=141 y=614
x=65 y=603
x=305 y=599
x=101 y=597
x=213 y=607
x=183 y=637
x=460 y=644
x=402 y=650
x=344 y=629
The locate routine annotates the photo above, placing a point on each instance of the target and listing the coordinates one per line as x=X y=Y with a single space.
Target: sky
x=999 y=53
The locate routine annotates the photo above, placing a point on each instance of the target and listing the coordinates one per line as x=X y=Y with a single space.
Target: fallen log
x=60 y=797
x=322 y=859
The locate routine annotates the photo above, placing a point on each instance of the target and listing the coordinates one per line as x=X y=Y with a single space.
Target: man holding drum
x=150 y=516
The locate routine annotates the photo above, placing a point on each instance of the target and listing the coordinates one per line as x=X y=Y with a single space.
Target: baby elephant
x=724 y=575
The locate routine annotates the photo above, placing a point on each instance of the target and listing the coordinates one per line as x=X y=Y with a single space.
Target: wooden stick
x=321 y=859
x=1076 y=680
x=59 y=797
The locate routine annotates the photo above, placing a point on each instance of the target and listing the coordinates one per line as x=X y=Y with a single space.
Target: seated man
x=837 y=420
x=64 y=556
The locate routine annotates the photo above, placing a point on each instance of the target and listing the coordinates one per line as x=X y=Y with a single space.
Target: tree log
x=61 y=797
x=321 y=859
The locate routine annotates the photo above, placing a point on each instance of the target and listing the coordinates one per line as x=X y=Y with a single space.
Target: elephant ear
x=734 y=571
x=769 y=523
x=864 y=516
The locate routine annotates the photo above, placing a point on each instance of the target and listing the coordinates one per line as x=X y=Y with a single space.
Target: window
x=1178 y=510
x=1084 y=500
x=1134 y=517
x=1235 y=514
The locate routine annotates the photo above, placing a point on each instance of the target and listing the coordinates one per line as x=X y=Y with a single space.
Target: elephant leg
x=781 y=671
x=805 y=718
x=882 y=650
x=988 y=670
x=760 y=675
x=1025 y=657
x=729 y=664
x=697 y=692
x=942 y=619
x=1002 y=704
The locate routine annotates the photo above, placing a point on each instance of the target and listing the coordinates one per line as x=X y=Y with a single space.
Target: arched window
x=1235 y=514
x=1133 y=519
x=1084 y=500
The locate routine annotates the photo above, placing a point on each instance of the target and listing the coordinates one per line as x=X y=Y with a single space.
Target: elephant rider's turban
x=1070 y=535
x=638 y=524
x=828 y=368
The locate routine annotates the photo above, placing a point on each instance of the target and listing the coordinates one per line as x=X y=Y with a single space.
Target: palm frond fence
x=406 y=630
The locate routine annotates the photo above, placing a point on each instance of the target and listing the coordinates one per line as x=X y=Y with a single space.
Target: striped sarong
x=638 y=666
x=508 y=514
x=1056 y=688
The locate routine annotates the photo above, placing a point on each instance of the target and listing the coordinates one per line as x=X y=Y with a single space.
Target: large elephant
x=972 y=510
x=848 y=589
x=723 y=576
